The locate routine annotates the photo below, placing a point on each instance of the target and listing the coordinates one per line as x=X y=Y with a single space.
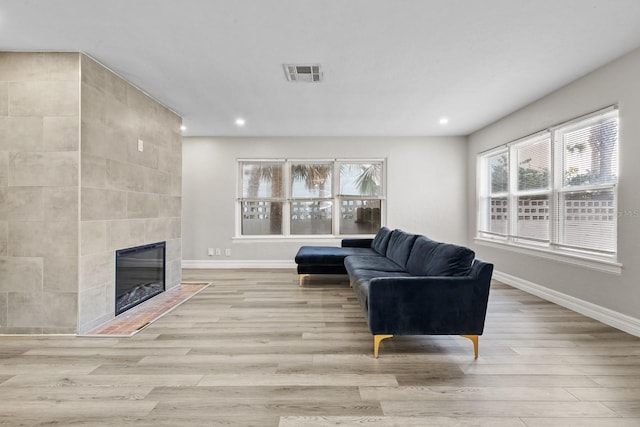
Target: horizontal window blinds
x=556 y=188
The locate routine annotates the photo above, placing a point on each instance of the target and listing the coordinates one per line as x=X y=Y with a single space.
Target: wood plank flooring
x=254 y=349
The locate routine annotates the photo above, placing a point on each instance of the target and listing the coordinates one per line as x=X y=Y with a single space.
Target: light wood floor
x=254 y=349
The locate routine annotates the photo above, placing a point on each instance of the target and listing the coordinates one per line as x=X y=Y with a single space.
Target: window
x=495 y=197
x=262 y=198
x=360 y=197
x=589 y=174
x=532 y=189
x=554 y=190
x=310 y=197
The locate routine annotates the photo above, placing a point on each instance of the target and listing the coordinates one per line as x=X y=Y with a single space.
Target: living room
x=124 y=174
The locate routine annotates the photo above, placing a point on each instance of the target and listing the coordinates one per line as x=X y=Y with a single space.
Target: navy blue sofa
x=408 y=284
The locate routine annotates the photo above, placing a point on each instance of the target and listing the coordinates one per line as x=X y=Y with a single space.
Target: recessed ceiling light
x=183 y=128
x=444 y=121
x=240 y=121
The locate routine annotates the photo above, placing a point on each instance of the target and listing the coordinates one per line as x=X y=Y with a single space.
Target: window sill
x=602 y=264
x=299 y=239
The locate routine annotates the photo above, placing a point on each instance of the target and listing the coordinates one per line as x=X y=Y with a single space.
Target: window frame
x=287 y=200
x=485 y=192
x=290 y=199
x=515 y=192
x=241 y=198
x=599 y=259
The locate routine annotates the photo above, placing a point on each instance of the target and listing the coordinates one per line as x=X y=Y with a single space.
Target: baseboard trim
x=609 y=317
x=234 y=264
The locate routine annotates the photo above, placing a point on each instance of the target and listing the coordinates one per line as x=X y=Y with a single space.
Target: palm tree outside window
x=311 y=197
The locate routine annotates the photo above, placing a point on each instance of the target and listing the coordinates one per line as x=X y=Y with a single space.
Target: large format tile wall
x=128 y=197
x=39 y=176
x=73 y=190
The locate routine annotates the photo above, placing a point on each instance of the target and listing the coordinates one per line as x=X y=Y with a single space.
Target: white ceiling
x=391 y=67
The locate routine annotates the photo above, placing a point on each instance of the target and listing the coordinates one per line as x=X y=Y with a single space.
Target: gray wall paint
x=618 y=83
x=426 y=188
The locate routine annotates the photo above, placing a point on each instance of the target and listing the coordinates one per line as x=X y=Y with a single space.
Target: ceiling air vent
x=308 y=73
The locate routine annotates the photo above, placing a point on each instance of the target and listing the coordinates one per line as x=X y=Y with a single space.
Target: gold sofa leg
x=474 y=340
x=301 y=278
x=376 y=343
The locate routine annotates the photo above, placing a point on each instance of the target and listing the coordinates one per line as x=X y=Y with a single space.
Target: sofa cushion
x=430 y=258
x=321 y=269
x=365 y=275
x=379 y=263
x=381 y=241
x=399 y=247
x=421 y=255
x=328 y=255
x=361 y=279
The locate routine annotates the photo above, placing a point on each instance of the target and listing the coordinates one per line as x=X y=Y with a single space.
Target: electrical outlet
x=140 y=145
x=218 y=252
x=210 y=251
x=227 y=252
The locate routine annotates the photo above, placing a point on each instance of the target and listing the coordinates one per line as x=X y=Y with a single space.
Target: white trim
x=299 y=238
x=609 y=317
x=41 y=335
x=236 y=264
x=599 y=264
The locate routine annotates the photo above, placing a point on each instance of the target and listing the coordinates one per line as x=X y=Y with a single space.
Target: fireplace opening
x=140 y=274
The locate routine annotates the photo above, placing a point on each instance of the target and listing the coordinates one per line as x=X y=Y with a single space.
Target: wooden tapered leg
x=376 y=343
x=474 y=340
x=301 y=279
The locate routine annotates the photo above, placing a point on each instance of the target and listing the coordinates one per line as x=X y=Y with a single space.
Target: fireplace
x=140 y=274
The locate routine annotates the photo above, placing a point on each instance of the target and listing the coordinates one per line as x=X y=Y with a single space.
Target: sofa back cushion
x=399 y=247
x=381 y=241
x=430 y=258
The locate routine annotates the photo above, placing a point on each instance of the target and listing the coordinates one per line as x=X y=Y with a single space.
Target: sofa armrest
x=356 y=243
x=424 y=305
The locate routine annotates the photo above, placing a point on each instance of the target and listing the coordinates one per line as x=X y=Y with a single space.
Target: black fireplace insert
x=140 y=274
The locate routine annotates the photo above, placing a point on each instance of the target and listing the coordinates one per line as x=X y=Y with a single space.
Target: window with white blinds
x=556 y=189
x=494 y=194
x=532 y=192
x=586 y=208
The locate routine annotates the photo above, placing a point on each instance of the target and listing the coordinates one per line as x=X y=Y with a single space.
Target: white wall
x=618 y=82
x=426 y=189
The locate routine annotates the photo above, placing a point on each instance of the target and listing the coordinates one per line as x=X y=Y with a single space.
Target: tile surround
x=21 y=133
x=21 y=274
x=122 y=190
x=74 y=188
x=60 y=203
x=4 y=237
x=25 y=204
x=4 y=98
x=60 y=134
x=37 y=169
x=43 y=98
x=60 y=274
x=125 y=233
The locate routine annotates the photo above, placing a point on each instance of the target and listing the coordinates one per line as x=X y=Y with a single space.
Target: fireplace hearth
x=140 y=275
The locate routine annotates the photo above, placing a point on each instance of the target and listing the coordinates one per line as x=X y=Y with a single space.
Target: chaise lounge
x=408 y=284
